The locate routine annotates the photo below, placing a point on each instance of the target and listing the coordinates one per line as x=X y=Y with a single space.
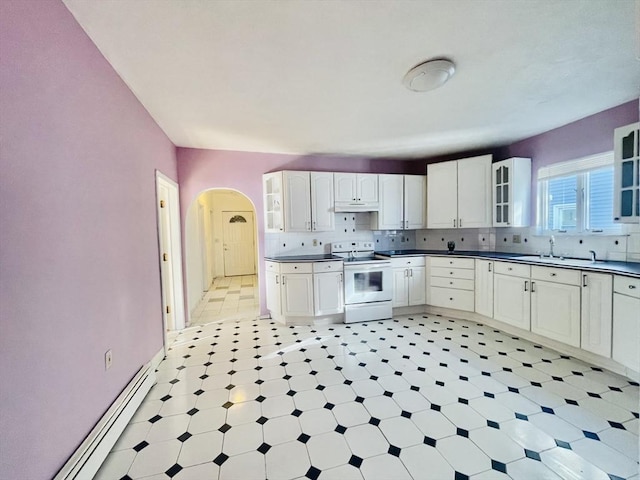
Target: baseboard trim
x=91 y=453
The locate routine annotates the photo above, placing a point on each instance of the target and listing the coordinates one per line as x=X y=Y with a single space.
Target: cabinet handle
x=552 y=274
x=282 y=279
x=406 y=272
x=632 y=287
x=509 y=268
x=533 y=287
x=277 y=280
x=460 y=223
x=526 y=285
x=454 y=223
x=489 y=266
x=314 y=225
x=584 y=280
x=411 y=272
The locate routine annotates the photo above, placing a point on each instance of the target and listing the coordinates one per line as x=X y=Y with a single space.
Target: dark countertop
x=623 y=268
x=304 y=258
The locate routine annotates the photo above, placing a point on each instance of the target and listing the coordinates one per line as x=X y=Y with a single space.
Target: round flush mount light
x=429 y=75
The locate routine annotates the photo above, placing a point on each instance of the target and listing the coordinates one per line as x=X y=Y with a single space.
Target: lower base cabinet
x=555 y=311
x=328 y=293
x=512 y=300
x=596 y=313
x=297 y=295
x=626 y=322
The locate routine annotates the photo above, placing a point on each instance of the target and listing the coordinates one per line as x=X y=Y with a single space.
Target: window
x=577 y=196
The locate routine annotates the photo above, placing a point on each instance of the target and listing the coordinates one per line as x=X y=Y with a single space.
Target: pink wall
x=78 y=242
x=200 y=170
x=587 y=136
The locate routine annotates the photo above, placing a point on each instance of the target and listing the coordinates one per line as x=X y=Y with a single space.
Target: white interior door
x=239 y=248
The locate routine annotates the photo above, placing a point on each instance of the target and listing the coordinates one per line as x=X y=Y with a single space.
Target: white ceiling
x=314 y=76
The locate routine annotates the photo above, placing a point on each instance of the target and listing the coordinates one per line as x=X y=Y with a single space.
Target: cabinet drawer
x=449 y=298
x=455 y=283
x=468 y=263
x=513 y=269
x=452 y=273
x=558 y=275
x=407 y=262
x=296 y=268
x=627 y=286
x=272 y=266
x=321 y=267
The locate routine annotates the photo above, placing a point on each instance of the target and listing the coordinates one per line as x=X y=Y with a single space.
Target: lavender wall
x=588 y=136
x=78 y=242
x=200 y=170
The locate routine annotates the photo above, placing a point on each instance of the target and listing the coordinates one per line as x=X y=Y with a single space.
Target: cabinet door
x=297 y=295
x=367 y=187
x=474 y=192
x=627 y=174
x=415 y=202
x=273 y=293
x=484 y=288
x=442 y=195
x=390 y=213
x=345 y=187
x=400 y=287
x=626 y=331
x=322 y=209
x=502 y=173
x=273 y=211
x=555 y=311
x=297 y=194
x=417 y=288
x=512 y=301
x=327 y=292
x=597 y=290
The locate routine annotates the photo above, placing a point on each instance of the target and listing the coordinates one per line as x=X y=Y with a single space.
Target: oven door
x=367 y=283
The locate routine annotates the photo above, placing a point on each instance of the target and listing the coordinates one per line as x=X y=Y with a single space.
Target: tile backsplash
x=357 y=227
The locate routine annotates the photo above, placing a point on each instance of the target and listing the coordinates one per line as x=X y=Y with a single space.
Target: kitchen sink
x=570 y=262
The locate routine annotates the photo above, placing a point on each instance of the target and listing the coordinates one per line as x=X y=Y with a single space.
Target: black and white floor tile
x=416 y=397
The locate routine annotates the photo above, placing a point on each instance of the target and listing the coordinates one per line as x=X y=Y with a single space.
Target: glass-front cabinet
x=627 y=174
x=512 y=192
x=272 y=187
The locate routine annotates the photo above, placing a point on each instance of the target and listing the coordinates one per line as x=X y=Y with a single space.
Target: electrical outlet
x=315 y=242
x=108 y=359
x=516 y=239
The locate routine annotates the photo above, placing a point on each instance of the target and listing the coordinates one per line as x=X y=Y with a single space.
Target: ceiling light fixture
x=429 y=75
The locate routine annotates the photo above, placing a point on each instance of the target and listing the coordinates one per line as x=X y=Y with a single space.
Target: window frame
x=580 y=168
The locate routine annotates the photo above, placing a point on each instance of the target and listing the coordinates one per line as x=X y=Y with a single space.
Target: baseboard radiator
x=86 y=460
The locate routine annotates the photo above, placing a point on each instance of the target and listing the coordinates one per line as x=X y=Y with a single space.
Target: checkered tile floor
x=229 y=298
x=417 y=397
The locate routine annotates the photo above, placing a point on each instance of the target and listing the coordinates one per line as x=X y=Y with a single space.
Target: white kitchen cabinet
x=555 y=304
x=356 y=190
x=459 y=193
x=328 y=288
x=297 y=196
x=273 y=288
x=596 y=313
x=484 y=287
x=273 y=202
x=626 y=199
x=512 y=192
x=626 y=322
x=402 y=202
x=322 y=202
x=511 y=295
x=297 y=290
x=409 y=275
x=451 y=283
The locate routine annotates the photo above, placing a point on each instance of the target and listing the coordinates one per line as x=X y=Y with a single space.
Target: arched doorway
x=221 y=246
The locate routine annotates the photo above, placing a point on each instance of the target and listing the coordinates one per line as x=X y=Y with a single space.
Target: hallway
x=229 y=298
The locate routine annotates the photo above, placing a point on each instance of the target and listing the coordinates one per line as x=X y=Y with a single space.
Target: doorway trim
x=172 y=295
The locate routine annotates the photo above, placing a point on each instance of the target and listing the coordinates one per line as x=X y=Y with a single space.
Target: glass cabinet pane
x=627 y=145
x=626 y=203
x=505 y=193
x=499 y=175
x=505 y=213
x=498 y=194
x=498 y=214
x=627 y=174
x=505 y=175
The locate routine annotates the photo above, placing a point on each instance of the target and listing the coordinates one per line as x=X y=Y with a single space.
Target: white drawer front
x=449 y=298
x=452 y=273
x=513 y=269
x=627 y=286
x=407 y=262
x=272 y=266
x=558 y=275
x=452 y=262
x=456 y=283
x=320 y=267
x=296 y=267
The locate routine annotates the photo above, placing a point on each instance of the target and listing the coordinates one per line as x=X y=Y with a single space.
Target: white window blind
x=576 y=166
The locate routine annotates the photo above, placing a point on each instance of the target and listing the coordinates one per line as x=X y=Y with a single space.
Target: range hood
x=356 y=207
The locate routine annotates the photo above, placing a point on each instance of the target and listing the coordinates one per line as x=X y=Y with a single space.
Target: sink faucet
x=552 y=242
x=593 y=256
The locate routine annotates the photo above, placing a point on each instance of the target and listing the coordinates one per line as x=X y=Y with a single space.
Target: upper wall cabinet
x=402 y=202
x=626 y=148
x=298 y=201
x=459 y=193
x=356 y=191
x=512 y=192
